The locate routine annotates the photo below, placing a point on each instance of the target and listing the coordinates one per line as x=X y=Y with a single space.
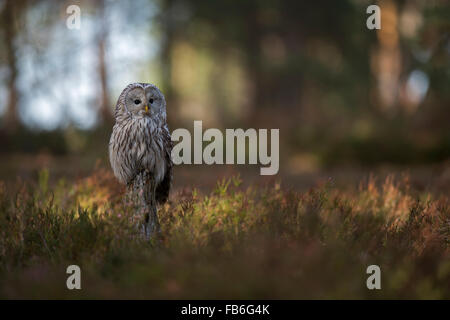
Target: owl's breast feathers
x=141 y=145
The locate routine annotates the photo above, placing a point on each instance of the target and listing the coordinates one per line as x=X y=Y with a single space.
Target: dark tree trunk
x=254 y=68
x=170 y=31
x=105 y=108
x=11 y=118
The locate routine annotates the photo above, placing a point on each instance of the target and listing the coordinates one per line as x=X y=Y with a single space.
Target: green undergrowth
x=264 y=241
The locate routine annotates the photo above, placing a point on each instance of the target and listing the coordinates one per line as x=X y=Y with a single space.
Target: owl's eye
x=151 y=100
x=137 y=101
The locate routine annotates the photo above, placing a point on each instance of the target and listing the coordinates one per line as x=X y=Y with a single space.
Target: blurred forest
x=340 y=93
x=364 y=148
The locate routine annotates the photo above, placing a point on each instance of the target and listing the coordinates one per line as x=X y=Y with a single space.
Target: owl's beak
x=146 y=109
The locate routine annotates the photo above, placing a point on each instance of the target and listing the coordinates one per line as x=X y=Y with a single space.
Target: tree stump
x=142 y=195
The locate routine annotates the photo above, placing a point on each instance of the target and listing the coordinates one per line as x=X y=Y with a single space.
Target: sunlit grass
x=235 y=242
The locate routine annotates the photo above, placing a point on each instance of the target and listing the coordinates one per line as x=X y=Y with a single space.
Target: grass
x=244 y=243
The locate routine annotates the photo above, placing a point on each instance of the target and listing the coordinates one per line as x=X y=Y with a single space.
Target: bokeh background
x=364 y=149
x=346 y=99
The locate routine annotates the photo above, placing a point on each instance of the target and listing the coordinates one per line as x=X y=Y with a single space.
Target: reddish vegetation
x=260 y=241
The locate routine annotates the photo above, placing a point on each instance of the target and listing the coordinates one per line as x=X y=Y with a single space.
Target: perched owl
x=140 y=149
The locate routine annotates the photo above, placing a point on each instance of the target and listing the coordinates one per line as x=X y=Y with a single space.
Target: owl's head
x=140 y=100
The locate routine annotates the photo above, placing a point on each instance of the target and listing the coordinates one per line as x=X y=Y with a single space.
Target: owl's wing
x=162 y=190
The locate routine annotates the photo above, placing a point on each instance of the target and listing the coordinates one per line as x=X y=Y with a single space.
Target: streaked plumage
x=140 y=146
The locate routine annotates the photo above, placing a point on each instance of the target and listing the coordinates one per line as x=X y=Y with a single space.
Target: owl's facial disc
x=154 y=99
x=136 y=102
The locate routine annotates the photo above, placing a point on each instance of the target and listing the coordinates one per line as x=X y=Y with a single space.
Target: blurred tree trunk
x=166 y=57
x=11 y=117
x=387 y=60
x=254 y=68
x=105 y=108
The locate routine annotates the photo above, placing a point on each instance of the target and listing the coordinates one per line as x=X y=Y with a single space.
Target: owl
x=140 y=150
